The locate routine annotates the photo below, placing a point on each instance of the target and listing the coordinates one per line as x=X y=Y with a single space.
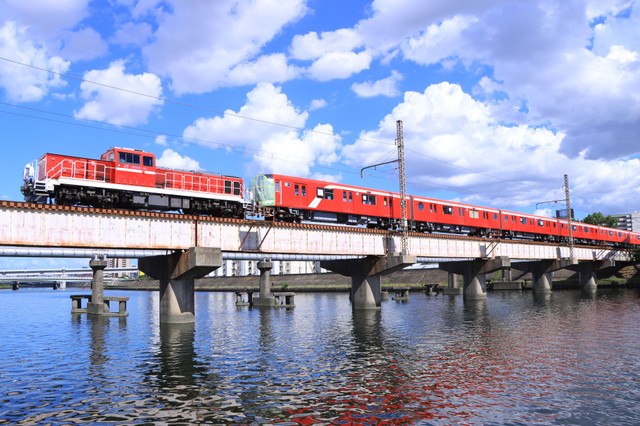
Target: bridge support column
x=96 y=306
x=266 y=298
x=587 y=272
x=366 y=273
x=542 y=272
x=177 y=273
x=473 y=274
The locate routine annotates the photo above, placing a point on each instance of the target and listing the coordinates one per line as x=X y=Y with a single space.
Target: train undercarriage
x=106 y=198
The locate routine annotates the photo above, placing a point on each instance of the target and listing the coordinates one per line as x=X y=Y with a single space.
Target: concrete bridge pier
x=177 y=273
x=366 y=274
x=96 y=306
x=473 y=274
x=266 y=297
x=542 y=272
x=587 y=272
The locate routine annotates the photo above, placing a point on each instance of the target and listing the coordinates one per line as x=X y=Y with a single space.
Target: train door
x=347 y=201
x=299 y=198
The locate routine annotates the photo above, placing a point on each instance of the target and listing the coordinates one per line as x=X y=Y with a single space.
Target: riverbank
x=412 y=279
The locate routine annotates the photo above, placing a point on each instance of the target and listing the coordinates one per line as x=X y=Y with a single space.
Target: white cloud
x=21 y=83
x=131 y=33
x=284 y=148
x=267 y=68
x=161 y=140
x=317 y=104
x=84 y=44
x=45 y=18
x=385 y=87
x=311 y=46
x=334 y=65
x=129 y=106
x=197 y=44
x=172 y=160
x=456 y=143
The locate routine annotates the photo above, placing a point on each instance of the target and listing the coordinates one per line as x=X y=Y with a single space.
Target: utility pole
x=403 y=188
x=569 y=224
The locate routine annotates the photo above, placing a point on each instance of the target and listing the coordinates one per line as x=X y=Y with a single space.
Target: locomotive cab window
x=129 y=158
x=147 y=161
x=236 y=188
x=227 y=187
x=447 y=209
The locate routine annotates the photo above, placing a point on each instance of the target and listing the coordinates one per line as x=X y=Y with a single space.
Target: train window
x=304 y=190
x=296 y=190
x=513 y=219
x=506 y=218
x=460 y=211
x=573 y=227
x=328 y=194
x=473 y=214
x=372 y=200
x=147 y=161
x=619 y=234
x=495 y=216
x=236 y=188
x=227 y=187
x=523 y=220
x=384 y=201
x=320 y=192
x=447 y=209
x=344 y=196
x=350 y=197
x=586 y=230
x=129 y=158
x=420 y=206
x=610 y=233
x=540 y=222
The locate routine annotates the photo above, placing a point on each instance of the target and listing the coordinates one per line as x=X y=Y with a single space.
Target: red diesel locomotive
x=129 y=178
x=297 y=199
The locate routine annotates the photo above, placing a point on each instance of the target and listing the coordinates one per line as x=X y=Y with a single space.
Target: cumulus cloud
x=282 y=147
x=45 y=18
x=385 y=87
x=317 y=104
x=132 y=33
x=457 y=143
x=572 y=65
x=129 y=106
x=24 y=84
x=172 y=160
x=84 y=44
x=221 y=36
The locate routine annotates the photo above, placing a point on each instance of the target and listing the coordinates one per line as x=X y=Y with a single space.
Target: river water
x=569 y=358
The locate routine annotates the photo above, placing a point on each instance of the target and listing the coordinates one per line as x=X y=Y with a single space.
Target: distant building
x=119 y=263
x=240 y=268
x=628 y=221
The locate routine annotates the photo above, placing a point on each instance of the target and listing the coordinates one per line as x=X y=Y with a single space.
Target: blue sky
x=499 y=98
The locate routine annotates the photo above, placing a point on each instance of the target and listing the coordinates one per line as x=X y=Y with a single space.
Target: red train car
x=129 y=178
x=290 y=198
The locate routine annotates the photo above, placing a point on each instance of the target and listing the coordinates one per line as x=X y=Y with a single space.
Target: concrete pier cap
x=473 y=273
x=366 y=273
x=177 y=272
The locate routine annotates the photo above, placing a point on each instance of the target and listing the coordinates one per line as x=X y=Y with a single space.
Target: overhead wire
x=231 y=114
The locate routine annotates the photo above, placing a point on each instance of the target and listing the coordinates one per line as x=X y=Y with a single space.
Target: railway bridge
x=177 y=248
